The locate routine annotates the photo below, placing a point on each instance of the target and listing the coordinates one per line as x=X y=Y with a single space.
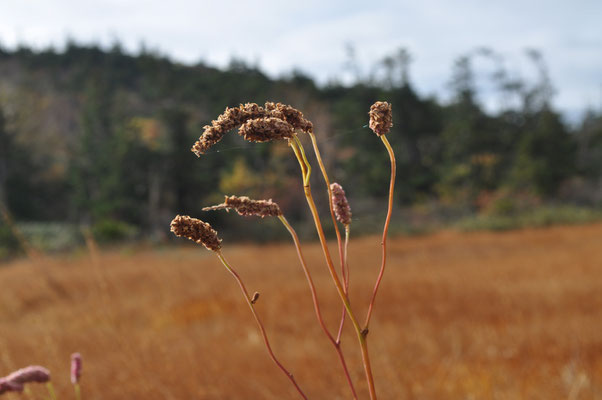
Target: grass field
x=512 y=315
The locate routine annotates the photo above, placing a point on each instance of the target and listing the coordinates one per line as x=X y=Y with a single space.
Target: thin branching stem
x=385 y=230
x=342 y=256
x=314 y=143
x=314 y=296
x=339 y=286
x=259 y=323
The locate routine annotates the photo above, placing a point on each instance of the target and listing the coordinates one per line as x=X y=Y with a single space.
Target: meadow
x=505 y=315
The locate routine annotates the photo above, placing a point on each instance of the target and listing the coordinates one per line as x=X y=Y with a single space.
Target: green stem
x=51 y=391
x=345 y=281
x=78 y=392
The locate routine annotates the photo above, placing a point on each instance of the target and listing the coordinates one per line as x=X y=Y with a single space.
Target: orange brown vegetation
x=513 y=315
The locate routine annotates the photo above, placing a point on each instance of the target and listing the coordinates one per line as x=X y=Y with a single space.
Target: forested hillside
x=102 y=138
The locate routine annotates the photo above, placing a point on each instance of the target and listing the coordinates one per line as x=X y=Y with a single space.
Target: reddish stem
x=385 y=231
x=314 y=296
x=260 y=324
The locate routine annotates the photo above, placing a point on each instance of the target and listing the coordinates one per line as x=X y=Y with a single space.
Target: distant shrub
x=111 y=230
x=51 y=236
x=534 y=217
x=9 y=244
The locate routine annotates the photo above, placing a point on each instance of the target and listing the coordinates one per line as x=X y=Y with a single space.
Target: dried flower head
x=247 y=207
x=33 y=373
x=266 y=129
x=256 y=131
x=197 y=231
x=340 y=204
x=76 y=367
x=381 y=119
x=211 y=135
x=290 y=115
x=228 y=120
x=7 y=386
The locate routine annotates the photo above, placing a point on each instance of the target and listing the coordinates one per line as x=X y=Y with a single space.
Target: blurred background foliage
x=101 y=139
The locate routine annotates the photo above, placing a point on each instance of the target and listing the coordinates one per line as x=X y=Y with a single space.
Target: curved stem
x=259 y=323
x=361 y=334
x=385 y=230
x=302 y=159
x=342 y=256
x=314 y=143
x=314 y=297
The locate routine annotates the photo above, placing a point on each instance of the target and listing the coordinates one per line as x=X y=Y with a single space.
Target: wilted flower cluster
x=247 y=207
x=230 y=119
x=290 y=115
x=340 y=204
x=258 y=124
x=266 y=129
x=381 y=118
x=197 y=231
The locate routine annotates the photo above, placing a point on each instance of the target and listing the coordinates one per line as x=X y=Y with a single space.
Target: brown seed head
x=228 y=120
x=290 y=115
x=381 y=119
x=247 y=207
x=33 y=373
x=257 y=132
x=211 y=135
x=266 y=129
x=197 y=231
x=340 y=204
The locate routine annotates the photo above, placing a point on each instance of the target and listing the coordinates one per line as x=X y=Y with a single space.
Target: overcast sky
x=311 y=35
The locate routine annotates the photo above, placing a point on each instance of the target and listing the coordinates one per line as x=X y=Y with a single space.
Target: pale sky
x=311 y=35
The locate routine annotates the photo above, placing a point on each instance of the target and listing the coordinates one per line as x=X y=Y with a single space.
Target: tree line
x=101 y=138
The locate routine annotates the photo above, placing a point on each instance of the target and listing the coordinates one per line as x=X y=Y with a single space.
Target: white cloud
x=311 y=35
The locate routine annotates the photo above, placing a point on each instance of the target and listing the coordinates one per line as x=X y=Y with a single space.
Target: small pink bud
x=7 y=386
x=76 y=367
x=33 y=373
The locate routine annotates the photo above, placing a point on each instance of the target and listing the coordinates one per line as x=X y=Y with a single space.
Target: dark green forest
x=100 y=138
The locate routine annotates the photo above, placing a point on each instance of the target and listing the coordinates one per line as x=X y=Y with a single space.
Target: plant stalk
x=341 y=290
x=342 y=255
x=385 y=230
x=259 y=323
x=314 y=296
x=314 y=143
x=78 y=391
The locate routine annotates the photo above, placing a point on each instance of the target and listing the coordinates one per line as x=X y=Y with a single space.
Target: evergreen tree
x=545 y=154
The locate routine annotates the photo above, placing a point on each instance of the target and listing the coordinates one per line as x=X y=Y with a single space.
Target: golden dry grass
x=514 y=315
